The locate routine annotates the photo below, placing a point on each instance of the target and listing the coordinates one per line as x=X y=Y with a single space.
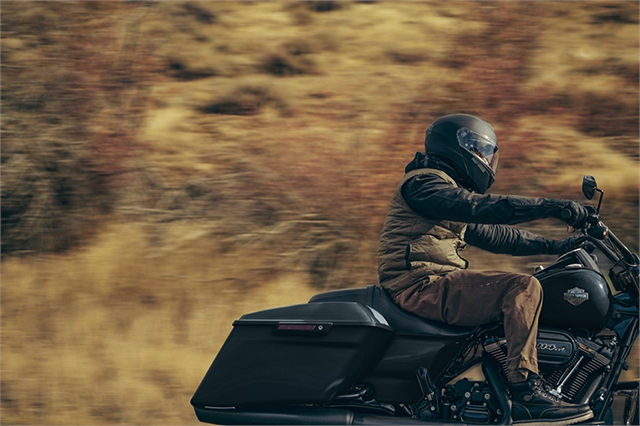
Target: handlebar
x=598 y=231
x=566 y=214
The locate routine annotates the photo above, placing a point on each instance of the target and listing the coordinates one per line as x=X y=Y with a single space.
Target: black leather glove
x=575 y=214
x=563 y=246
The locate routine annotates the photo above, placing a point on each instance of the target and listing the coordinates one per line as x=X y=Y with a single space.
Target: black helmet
x=469 y=145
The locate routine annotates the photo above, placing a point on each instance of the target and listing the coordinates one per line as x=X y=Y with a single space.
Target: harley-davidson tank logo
x=576 y=296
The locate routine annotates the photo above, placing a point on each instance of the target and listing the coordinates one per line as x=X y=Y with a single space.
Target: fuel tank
x=576 y=294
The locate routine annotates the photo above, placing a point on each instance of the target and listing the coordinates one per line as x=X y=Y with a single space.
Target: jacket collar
x=421 y=161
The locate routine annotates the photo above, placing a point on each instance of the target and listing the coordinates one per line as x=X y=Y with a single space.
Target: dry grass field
x=169 y=166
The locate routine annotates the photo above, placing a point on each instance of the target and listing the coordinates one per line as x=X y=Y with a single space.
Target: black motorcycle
x=354 y=357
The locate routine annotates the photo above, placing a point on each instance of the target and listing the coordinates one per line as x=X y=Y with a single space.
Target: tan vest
x=413 y=247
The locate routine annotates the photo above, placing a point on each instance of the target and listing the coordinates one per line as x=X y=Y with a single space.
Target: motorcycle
x=352 y=356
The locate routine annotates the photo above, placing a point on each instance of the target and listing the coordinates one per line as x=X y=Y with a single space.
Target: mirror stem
x=600 y=200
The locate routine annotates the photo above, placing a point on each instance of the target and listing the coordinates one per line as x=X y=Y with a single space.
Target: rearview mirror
x=589 y=187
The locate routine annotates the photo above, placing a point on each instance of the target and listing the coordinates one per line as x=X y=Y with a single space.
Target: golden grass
x=227 y=214
x=119 y=333
x=581 y=155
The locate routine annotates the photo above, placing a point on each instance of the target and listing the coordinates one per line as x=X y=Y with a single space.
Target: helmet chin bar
x=481 y=158
x=478 y=153
x=480 y=174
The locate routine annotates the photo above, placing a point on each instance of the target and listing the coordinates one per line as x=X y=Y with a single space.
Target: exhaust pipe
x=304 y=416
x=491 y=373
x=366 y=419
x=287 y=416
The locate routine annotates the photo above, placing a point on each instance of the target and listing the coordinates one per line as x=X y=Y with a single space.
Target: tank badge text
x=576 y=296
x=550 y=347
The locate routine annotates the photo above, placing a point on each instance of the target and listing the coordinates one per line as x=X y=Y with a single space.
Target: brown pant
x=472 y=297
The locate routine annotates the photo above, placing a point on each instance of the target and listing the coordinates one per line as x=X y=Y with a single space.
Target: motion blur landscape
x=169 y=166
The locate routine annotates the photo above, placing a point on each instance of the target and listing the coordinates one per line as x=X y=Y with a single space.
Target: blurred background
x=169 y=166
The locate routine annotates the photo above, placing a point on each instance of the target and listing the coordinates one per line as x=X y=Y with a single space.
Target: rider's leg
x=476 y=297
x=471 y=298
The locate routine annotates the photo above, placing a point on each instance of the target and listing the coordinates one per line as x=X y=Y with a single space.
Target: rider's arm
x=517 y=242
x=435 y=198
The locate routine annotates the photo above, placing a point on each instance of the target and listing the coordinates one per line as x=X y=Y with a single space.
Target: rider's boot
x=533 y=405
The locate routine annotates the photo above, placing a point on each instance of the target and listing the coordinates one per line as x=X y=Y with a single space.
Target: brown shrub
x=182 y=70
x=200 y=13
x=599 y=115
x=407 y=57
x=51 y=197
x=614 y=13
x=286 y=65
x=244 y=100
x=324 y=5
x=70 y=115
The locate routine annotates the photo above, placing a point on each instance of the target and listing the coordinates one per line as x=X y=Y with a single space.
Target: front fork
x=630 y=413
x=610 y=386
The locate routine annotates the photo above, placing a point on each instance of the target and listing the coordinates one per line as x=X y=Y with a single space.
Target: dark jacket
x=436 y=199
x=415 y=247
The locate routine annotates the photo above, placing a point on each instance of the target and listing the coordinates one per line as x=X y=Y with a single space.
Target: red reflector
x=296 y=327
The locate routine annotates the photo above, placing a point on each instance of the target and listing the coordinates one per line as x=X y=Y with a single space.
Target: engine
x=469 y=402
x=572 y=367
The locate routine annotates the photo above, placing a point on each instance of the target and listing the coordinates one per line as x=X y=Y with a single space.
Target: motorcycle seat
x=401 y=321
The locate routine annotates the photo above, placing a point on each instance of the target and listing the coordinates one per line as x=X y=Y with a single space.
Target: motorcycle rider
x=439 y=206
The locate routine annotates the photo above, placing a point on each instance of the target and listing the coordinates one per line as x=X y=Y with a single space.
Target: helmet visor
x=479 y=145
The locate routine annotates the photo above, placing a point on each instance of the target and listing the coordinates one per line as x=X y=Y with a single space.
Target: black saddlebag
x=296 y=354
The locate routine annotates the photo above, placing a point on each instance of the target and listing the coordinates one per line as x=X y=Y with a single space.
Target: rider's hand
x=576 y=215
x=563 y=246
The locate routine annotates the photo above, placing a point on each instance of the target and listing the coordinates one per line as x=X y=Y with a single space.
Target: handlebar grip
x=566 y=214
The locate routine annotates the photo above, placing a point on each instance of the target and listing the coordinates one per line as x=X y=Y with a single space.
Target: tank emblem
x=576 y=296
